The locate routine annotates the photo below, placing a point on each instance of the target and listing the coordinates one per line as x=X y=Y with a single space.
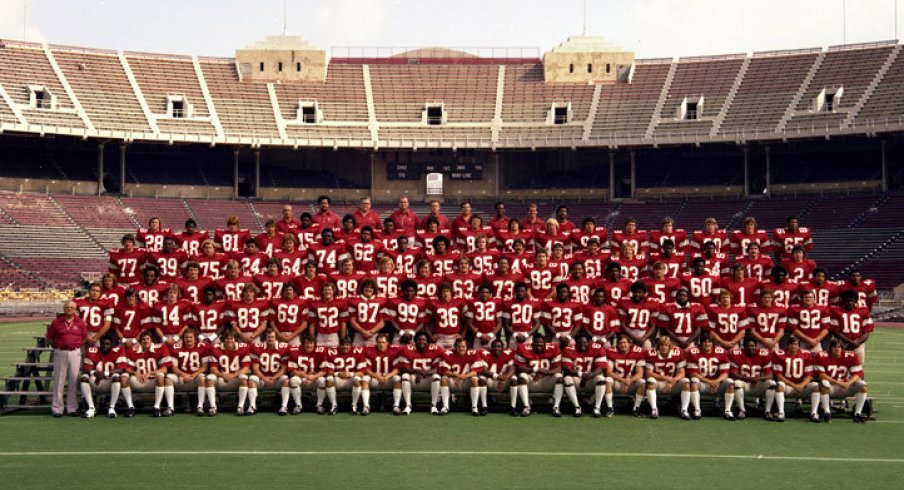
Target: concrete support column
x=257 y=173
x=768 y=189
x=633 y=173
x=746 y=171
x=611 y=175
x=235 y=173
x=884 y=167
x=100 y=168
x=122 y=168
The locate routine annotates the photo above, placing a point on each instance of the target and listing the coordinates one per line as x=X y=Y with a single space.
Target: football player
x=664 y=370
x=418 y=364
x=539 y=367
x=102 y=371
x=841 y=375
x=460 y=368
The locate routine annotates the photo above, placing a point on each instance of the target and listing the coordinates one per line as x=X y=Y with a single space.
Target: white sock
x=434 y=392
x=406 y=392
x=685 y=400
x=475 y=396
x=296 y=395
x=243 y=395
x=780 y=402
x=815 y=397
x=859 y=401
x=202 y=394
x=115 y=389
x=444 y=390
x=87 y=395
x=321 y=394
x=252 y=397
x=651 y=398
x=284 y=393
x=638 y=399
x=513 y=394
x=825 y=403
x=396 y=396
x=695 y=400
x=127 y=396
x=739 y=399
x=524 y=395
x=331 y=394
x=608 y=397
x=572 y=394
x=770 y=400
x=729 y=401
x=599 y=391
x=170 y=393
x=482 y=392
x=557 y=395
x=356 y=395
x=212 y=397
x=158 y=396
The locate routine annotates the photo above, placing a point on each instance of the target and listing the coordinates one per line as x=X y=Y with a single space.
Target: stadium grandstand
x=93 y=143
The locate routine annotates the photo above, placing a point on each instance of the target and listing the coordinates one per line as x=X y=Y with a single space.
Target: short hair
x=408 y=283
x=638 y=286
x=233 y=220
x=323 y=197
x=191 y=221
x=750 y=220
x=849 y=295
x=270 y=222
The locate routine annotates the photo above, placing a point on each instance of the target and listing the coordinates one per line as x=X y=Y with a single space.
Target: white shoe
x=406 y=411
x=434 y=411
x=111 y=413
x=89 y=414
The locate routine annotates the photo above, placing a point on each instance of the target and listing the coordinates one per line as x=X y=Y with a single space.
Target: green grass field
x=382 y=451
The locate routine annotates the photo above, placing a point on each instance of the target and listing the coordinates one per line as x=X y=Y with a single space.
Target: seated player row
x=484 y=318
x=583 y=368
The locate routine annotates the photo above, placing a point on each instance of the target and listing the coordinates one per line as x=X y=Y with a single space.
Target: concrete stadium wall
x=48 y=186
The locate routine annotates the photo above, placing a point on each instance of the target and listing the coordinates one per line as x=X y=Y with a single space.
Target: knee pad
x=406 y=378
x=781 y=384
x=558 y=377
x=651 y=381
x=172 y=377
x=84 y=378
x=321 y=382
x=739 y=385
x=524 y=378
x=254 y=379
x=124 y=376
x=295 y=382
x=600 y=380
x=825 y=384
x=770 y=384
x=365 y=379
x=435 y=378
x=396 y=379
x=211 y=378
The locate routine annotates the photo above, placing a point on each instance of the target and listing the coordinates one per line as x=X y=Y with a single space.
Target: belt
x=67 y=349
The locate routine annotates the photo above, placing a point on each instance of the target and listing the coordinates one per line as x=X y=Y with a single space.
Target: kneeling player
x=751 y=370
x=381 y=373
x=664 y=370
x=101 y=372
x=145 y=371
x=268 y=368
x=189 y=361
x=585 y=366
x=624 y=373
x=418 y=364
x=229 y=368
x=793 y=369
x=460 y=368
x=841 y=376
x=499 y=371
x=707 y=368
x=539 y=367
x=343 y=368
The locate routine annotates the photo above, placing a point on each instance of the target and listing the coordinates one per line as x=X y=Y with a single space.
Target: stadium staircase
x=68 y=88
x=594 y=107
x=496 y=125
x=663 y=95
x=29 y=387
x=866 y=214
x=872 y=87
x=738 y=217
x=723 y=112
x=76 y=223
x=789 y=112
x=211 y=109
x=142 y=102
x=277 y=114
x=257 y=215
x=372 y=124
x=131 y=215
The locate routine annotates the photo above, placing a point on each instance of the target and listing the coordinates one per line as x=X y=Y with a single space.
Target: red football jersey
x=190 y=243
x=587 y=361
x=504 y=284
x=616 y=291
x=759 y=268
x=126 y=266
x=726 y=323
x=291 y=262
x=447 y=317
x=327 y=257
x=767 y=321
x=249 y=317
x=146 y=362
x=271 y=286
x=674 y=264
x=594 y=264
x=231 y=361
x=287 y=314
x=484 y=262
x=496 y=364
x=667 y=365
x=347 y=284
x=193 y=291
x=208 y=317
x=637 y=318
x=384 y=362
x=741 y=240
x=710 y=364
x=404 y=261
x=427 y=287
x=114 y=295
x=464 y=285
x=328 y=316
x=368 y=312
x=444 y=264
x=521 y=315
x=95 y=360
x=852 y=324
x=866 y=291
x=424 y=239
x=719 y=239
x=309 y=287
x=212 y=265
x=389 y=240
x=623 y=364
x=349 y=363
x=824 y=292
x=428 y=360
x=600 y=321
x=452 y=362
x=169 y=264
x=171 y=318
x=407 y=315
x=662 y=291
x=799 y=271
x=809 y=321
x=760 y=364
x=742 y=292
x=716 y=266
x=842 y=369
x=785 y=240
x=631 y=269
x=678 y=236
x=153 y=240
x=561 y=317
x=232 y=287
x=580 y=290
x=505 y=239
x=365 y=254
x=388 y=284
x=637 y=240
x=301 y=361
x=484 y=314
x=151 y=294
x=549 y=358
x=782 y=293
x=130 y=321
x=794 y=367
x=579 y=237
x=682 y=322
x=231 y=241
x=269 y=360
x=703 y=289
x=94 y=313
x=541 y=280
x=190 y=359
x=269 y=244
